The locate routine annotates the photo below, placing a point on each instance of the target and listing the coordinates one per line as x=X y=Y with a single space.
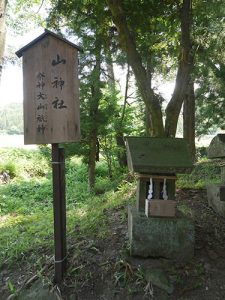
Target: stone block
x=171 y=238
x=38 y=292
x=216 y=148
x=216 y=198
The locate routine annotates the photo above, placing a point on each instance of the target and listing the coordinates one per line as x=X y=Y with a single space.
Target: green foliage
x=185 y=210
x=23 y=233
x=201 y=153
x=23 y=163
x=209 y=37
x=23 y=15
x=25 y=196
x=33 y=192
x=205 y=172
x=9 y=167
x=26 y=218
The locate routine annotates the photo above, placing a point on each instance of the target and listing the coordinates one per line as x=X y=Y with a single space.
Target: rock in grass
x=37 y=292
x=158 y=278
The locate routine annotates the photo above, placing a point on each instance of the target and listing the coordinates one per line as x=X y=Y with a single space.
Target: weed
x=200 y=269
x=131 y=290
x=124 y=272
x=26 y=217
x=9 y=167
x=11 y=287
x=140 y=276
x=185 y=210
x=149 y=291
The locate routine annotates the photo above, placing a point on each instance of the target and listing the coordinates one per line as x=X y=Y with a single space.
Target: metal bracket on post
x=59 y=207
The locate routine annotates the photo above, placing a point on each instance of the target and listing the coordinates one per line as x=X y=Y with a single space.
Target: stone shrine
x=155 y=227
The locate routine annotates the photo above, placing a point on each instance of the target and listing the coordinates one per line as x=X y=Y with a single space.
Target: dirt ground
x=103 y=269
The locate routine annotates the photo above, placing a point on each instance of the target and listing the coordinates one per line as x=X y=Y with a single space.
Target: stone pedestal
x=216 y=198
x=171 y=238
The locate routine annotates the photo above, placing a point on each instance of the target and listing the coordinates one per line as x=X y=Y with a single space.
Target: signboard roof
x=158 y=155
x=20 y=52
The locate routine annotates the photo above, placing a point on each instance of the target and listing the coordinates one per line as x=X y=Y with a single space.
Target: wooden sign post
x=52 y=116
x=58 y=173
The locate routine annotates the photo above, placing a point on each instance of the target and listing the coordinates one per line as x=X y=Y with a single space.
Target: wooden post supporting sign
x=52 y=116
x=59 y=203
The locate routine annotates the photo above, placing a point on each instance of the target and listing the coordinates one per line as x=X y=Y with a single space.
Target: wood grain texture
x=51 y=101
x=160 y=208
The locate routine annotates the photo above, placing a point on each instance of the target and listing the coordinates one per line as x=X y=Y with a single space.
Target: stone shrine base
x=171 y=238
x=216 y=198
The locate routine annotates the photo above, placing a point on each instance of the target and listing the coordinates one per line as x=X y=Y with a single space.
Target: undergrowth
x=26 y=214
x=205 y=172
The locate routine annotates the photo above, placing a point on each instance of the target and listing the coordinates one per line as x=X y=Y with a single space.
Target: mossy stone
x=171 y=238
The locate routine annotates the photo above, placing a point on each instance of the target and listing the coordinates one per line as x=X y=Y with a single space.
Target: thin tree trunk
x=92 y=159
x=122 y=157
x=121 y=153
x=94 y=107
x=189 y=118
x=183 y=74
x=2 y=32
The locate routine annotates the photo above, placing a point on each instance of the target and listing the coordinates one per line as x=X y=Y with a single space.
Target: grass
x=26 y=216
x=205 y=172
x=21 y=233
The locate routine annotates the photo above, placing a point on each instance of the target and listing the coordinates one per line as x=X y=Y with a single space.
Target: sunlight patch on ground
x=81 y=212
x=11 y=220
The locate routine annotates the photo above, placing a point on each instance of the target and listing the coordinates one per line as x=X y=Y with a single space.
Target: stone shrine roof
x=155 y=155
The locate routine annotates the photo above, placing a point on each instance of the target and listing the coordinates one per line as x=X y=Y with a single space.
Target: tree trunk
x=2 y=32
x=128 y=44
x=153 y=106
x=92 y=158
x=120 y=141
x=119 y=136
x=189 y=118
x=121 y=153
x=94 y=107
x=183 y=74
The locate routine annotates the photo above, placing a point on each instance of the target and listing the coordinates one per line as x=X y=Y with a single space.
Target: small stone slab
x=171 y=238
x=154 y=155
x=216 y=148
x=160 y=279
x=37 y=292
x=216 y=198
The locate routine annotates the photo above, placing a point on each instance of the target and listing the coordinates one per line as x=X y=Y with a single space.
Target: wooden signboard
x=160 y=208
x=51 y=116
x=51 y=100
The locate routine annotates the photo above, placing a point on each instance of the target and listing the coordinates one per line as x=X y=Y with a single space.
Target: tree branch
x=183 y=73
x=128 y=44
